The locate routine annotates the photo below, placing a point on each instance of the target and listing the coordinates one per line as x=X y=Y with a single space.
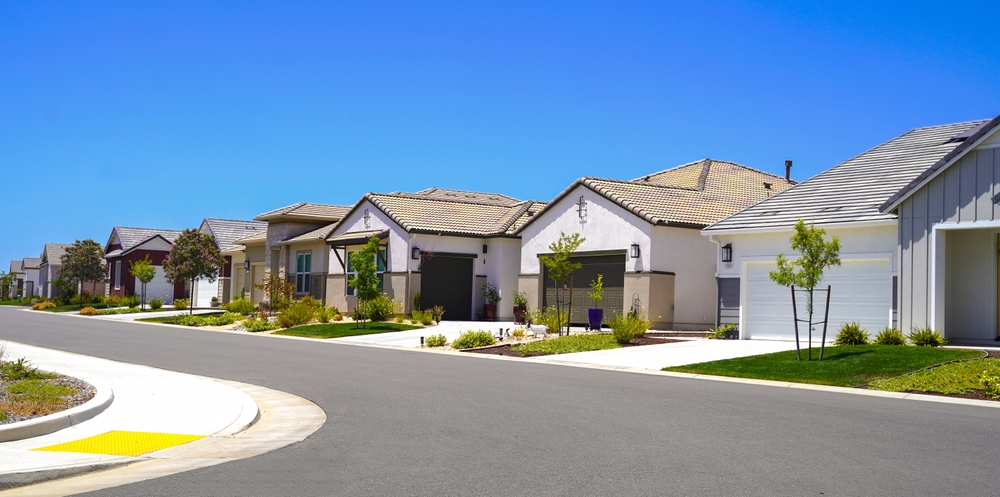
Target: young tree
x=194 y=255
x=560 y=269
x=807 y=271
x=366 y=278
x=6 y=284
x=278 y=291
x=83 y=262
x=144 y=271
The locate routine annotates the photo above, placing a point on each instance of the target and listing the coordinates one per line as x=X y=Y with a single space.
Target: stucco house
x=915 y=220
x=292 y=244
x=225 y=232
x=48 y=267
x=643 y=236
x=30 y=265
x=127 y=245
x=445 y=244
x=17 y=285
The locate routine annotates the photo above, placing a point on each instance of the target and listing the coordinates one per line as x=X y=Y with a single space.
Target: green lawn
x=950 y=379
x=844 y=366
x=568 y=345
x=171 y=319
x=75 y=307
x=14 y=302
x=337 y=330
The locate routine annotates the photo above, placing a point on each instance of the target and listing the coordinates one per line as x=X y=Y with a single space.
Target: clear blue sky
x=158 y=116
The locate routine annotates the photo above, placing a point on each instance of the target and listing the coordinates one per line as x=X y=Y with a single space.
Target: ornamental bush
x=130 y=301
x=720 y=332
x=435 y=341
x=297 y=314
x=991 y=384
x=473 y=339
x=88 y=311
x=381 y=308
x=926 y=337
x=629 y=326
x=156 y=304
x=257 y=325
x=239 y=306
x=890 y=336
x=181 y=304
x=851 y=334
x=41 y=306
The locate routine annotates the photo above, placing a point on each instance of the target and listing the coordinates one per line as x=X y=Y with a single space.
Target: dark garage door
x=447 y=282
x=613 y=269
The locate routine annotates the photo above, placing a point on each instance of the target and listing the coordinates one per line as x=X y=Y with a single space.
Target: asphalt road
x=411 y=423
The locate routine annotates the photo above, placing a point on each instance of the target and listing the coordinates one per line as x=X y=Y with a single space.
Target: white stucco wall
x=692 y=259
x=607 y=226
x=32 y=275
x=398 y=244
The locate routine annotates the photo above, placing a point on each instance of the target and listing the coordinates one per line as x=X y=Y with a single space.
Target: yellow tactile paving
x=123 y=443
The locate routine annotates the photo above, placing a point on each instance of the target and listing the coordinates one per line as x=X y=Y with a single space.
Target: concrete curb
x=60 y=420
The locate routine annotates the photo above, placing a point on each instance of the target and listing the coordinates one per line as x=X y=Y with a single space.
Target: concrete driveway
x=671 y=354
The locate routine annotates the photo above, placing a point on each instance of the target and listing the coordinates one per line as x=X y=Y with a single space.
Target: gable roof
x=131 y=238
x=16 y=267
x=854 y=190
x=303 y=210
x=475 y=214
x=258 y=237
x=228 y=231
x=315 y=235
x=31 y=262
x=54 y=252
x=692 y=195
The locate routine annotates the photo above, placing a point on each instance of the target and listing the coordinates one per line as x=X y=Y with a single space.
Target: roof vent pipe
x=788 y=170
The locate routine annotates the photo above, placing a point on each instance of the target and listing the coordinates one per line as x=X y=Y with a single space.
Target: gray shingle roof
x=227 y=231
x=31 y=262
x=303 y=210
x=53 y=253
x=131 y=237
x=16 y=267
x=854 y=190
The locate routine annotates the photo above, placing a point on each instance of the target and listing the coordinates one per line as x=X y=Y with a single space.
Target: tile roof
x=454 y=212
x=256 y=237
x=356 y=237
x=853 y=190
x=53 y=252
x=318 y=234
x=132 y=237
x=305 y=210
x=691 y=195
x=16 y=267
x=31 y=262
x=227 y=231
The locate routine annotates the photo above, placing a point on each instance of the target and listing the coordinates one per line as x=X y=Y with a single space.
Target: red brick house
x=126 y=245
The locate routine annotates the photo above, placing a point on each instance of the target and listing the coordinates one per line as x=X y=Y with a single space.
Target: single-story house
x=225 y=232
x=48 y=267
x=914 y=217
x=290 y=245
x=445 y=244
x=127 y=245
x=643 y=236
x=17 y=284
x=30 y=266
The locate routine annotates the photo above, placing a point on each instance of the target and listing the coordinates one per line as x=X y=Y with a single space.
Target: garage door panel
x=159 y=287
x=447 y=282
x=861 y=292
x=612 y=268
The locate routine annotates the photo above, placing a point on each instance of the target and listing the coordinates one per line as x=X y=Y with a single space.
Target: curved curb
x=54 y=422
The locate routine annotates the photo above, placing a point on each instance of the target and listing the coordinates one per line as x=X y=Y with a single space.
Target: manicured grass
x=74 y=307
x=568 y=345
x=14 y=302
x=337 y=330
x=845 y=366
x=172 y=319
x=950 y=379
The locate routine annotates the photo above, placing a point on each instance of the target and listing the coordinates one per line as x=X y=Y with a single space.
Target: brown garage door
x=613 y=269
x=447 y=282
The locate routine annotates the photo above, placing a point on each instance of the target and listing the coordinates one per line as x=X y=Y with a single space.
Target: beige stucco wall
x=531 y=286
x=654 y=294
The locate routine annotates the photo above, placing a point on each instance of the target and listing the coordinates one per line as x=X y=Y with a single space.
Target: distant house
x=17 y=285
x=30 y=265
x=48 y=267
x=233 y=274
x=445 y=244
x=127 y=245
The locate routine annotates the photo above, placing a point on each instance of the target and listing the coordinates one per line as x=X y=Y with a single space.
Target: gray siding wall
x=963 y=193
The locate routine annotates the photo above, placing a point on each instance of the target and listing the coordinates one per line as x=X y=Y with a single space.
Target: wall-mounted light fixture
x=634 y=252
x=484 y=248
x=368 y=219
x=727 y=252
x=415 y=253
x=246 y=265
x=581 y=207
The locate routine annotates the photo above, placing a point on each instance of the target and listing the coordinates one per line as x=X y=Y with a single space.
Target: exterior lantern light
x=246 y=265
x=415 y=253
x=727 y=252
x=484 y=248
x=634 y=252
x=581 y=207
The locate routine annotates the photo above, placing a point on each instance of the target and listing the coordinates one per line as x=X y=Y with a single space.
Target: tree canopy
x=193 y=256
x=144 y=271
x=83 y=261
x=365 y=279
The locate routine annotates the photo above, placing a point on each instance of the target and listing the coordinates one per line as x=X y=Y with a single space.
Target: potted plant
x=215 y=301
x=596 y=315
x=492 y=295
x=520 y=306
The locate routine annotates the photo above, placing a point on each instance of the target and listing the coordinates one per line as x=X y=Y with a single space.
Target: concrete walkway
x=656 y=357
x=150 y=400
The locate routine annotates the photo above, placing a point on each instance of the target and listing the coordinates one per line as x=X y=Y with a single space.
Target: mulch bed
x=507 y=350
x=84 y=392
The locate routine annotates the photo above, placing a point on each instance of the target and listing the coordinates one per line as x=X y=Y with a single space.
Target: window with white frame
x=379 y=271
x=118 y=275
x=303 y=266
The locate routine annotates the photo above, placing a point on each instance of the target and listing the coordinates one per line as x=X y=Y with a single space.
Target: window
x=118 y=275
x=302 y=269
x=379 y=271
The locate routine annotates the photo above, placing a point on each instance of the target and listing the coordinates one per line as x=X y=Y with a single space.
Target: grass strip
x=950 y=379
x=337 y=330
x=568 y=345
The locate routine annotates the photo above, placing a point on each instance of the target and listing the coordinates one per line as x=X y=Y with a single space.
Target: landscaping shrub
x=130 y=301
x=628 y=327
x=262 y=324
x=549 y=318
x=518 y=333
x=473 y=339
x=239 y=306
x=381 y=308
x=991 y=384
x=41 y=306
x=181 y=304
x=436 y=341
x=88 y=311
x=112 y=300
x=156 y=304
x=890 y=336
x=189 y=320
x=417 y=316
x=851 y=334
x=719 y=333
x=21 y=369
x=399 y=319
x=926 y=337
x=323 y=314
x=437 y=312
x=123 y=310
x=297 y=314
x=426 y=318
x=416 y=301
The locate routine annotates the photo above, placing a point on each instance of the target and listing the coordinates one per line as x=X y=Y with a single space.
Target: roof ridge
x=951 y=124
x=234 y=220
x=150 y=229
x=524 y=207
x=447 y=200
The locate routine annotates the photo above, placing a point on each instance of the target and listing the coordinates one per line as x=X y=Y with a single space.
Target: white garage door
x=158 y=288
x=204 y=291
x=862 y=292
